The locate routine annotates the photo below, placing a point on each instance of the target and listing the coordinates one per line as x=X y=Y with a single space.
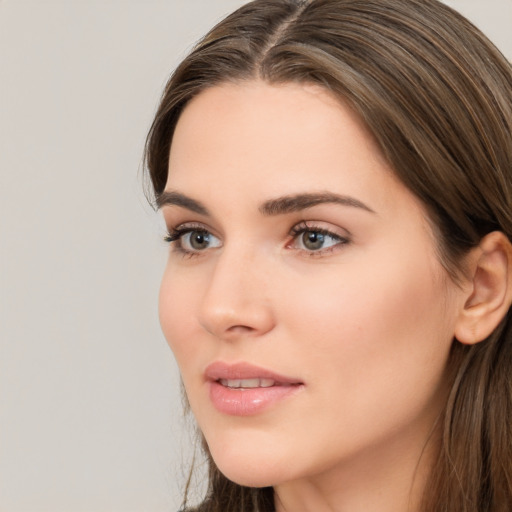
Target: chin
x=248 y=475
x=248 y=469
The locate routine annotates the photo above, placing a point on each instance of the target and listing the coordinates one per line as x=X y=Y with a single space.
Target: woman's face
x=303 y=298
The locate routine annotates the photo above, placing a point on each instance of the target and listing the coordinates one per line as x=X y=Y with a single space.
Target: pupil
x=198 y=240
x=313 y=240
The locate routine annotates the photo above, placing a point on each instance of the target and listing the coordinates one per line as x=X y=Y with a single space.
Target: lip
x=247 y=401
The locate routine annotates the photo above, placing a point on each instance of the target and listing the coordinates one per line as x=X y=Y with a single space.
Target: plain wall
x=90 y=414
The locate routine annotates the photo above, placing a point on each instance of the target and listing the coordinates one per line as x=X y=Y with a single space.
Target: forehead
x=266 y=126
x=241 y=144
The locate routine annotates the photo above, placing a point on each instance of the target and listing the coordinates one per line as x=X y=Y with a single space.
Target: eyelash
x=176 y=235
x=305 y=227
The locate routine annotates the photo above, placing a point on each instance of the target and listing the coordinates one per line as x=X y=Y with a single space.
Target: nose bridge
x=236 y=300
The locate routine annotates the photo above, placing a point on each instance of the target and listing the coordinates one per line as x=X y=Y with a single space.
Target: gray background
x=90 y=414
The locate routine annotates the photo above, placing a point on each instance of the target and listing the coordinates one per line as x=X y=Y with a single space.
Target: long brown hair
x=437 y=96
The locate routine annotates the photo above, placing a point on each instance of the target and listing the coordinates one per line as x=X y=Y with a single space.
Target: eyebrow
x=168 y=198
x=298 y=202
x=272 y=207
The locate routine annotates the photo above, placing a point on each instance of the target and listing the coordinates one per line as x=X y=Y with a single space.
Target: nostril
x=241 y=329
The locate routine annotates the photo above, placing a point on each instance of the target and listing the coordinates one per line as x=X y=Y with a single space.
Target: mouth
x=247 y=383
x=246 y=375
x=243 y=389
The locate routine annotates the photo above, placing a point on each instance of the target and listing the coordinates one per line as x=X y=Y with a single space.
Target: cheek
x=375 y=328
x=176 y=311
x=363 y=301
x=373 y=353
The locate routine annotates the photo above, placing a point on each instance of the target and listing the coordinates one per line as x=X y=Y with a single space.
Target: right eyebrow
x=170 y=197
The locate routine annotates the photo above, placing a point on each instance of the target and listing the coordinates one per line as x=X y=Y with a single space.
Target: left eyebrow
x=298 y=202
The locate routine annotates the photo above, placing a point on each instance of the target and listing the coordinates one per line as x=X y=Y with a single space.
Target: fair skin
x=353 y=305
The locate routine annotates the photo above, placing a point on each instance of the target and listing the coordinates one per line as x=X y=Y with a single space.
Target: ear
x=490 y=289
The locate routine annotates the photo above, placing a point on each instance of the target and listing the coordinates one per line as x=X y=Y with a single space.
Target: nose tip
x=236 y=303
x=233 y=323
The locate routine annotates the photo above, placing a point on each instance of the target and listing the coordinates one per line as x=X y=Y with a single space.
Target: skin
x=366 y=323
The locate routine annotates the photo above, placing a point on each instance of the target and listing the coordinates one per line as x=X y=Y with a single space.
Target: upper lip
x=226 y=371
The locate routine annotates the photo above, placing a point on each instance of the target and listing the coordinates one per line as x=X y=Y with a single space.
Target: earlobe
x=490 y=293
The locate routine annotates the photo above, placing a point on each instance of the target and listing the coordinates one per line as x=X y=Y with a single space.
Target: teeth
x=247 y=383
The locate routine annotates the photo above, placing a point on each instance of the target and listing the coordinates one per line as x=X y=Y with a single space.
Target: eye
x=315 y=239
x=191 y=240
x=198 y=240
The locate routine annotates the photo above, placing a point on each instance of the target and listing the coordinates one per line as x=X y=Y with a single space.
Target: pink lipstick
x=244 y=390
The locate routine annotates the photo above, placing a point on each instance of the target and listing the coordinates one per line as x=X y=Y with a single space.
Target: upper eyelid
x=190 y=225
x=318 y=225
x=175 y=233
x=342 y=238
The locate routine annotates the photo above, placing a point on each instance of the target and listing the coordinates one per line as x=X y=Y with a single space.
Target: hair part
x=437 y=97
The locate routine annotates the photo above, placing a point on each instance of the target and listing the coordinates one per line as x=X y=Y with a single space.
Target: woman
x=336 y=177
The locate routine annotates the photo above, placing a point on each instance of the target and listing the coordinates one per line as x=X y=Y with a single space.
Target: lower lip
x=247 y=402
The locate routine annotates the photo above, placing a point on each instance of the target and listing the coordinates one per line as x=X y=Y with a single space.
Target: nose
x=236 y=302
